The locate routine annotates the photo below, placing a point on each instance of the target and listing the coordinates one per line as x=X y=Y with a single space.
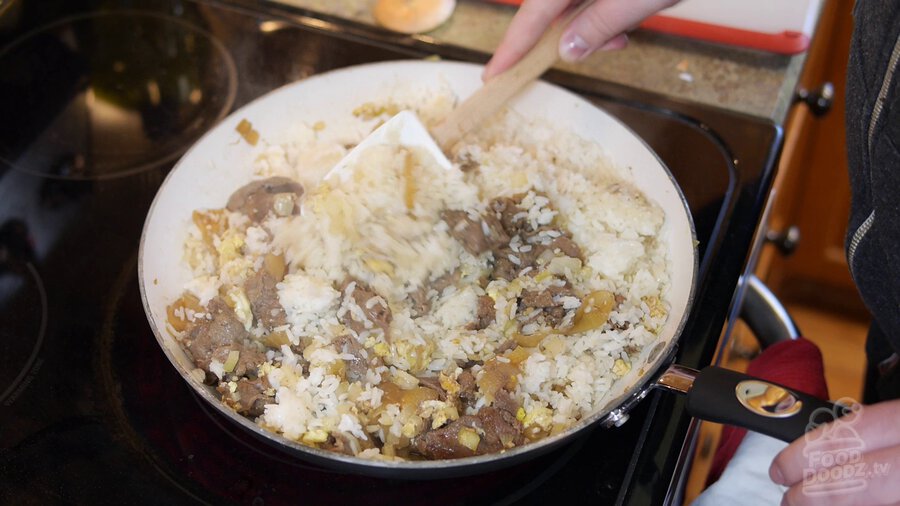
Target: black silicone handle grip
x=714 y=397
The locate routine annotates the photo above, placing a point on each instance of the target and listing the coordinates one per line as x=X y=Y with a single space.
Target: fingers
x=602 y=22
x=872 y=429
x=526 y=27
x=866 y=479
x=600 y=27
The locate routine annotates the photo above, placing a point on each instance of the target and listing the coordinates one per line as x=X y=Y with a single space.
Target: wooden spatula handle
x=491 y=97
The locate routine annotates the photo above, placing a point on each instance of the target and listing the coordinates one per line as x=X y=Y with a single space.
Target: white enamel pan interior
x=220 y=162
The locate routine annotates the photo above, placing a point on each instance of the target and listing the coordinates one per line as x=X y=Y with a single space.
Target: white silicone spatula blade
x=405 y=130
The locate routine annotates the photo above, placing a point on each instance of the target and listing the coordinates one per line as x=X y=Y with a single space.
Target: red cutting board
x=778 y=26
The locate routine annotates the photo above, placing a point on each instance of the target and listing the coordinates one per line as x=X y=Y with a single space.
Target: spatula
x=405 y=128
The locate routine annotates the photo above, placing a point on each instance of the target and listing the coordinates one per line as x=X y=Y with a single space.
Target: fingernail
x=609 y=46
x=572 y=47
x=776 y=475
x=615 y=43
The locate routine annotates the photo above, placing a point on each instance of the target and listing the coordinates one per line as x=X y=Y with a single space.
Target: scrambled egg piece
x=621 y=367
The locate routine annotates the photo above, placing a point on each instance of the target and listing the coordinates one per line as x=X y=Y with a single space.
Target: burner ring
x=12 y=392
x=234 y=432
x=110 y=94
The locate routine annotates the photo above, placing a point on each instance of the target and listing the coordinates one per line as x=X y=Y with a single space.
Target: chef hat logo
x=834 y=452
x=841 y=416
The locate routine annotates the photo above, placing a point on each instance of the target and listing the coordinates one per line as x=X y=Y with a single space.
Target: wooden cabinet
x=812 y=189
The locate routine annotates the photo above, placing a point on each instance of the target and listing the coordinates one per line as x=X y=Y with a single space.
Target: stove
x=97 y=101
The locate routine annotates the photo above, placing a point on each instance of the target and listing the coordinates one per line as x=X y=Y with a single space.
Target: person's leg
x=882 y=381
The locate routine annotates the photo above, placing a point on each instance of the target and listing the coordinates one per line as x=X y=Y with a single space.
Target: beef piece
x=621 y=326
x=536 y=299
x=554 y=315
x=262 y=293
x=501 y=430
x=547 y=297
x=444 y=443
x=347 y=444
x=505 y=346
x=218 y=338
x=446 y=280
x=257 y=198
x=339 y=443
x=484 y=315
x=508 y=263
x=298 y=352
x=421 y=302
x=356 y=367
x=249 y=398
x=505 y=401
x=476 y=236
x=496 y=233
x=376 y=313
x=421 y=297
x=249 y=361
x=467 y=387
x=212 y=337
x=498 y=430
x=466 y=161
x=511 y=214
x=548 y=301
x=567 y=247
x=466 y=231
x=507 y=210
x=504 y=268
x=210 y=379
x=433 y=383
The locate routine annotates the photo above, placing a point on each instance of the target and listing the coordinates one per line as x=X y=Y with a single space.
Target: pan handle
x=733 y=398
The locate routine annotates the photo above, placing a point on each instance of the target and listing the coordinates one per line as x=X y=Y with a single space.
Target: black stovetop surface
x=97 y=101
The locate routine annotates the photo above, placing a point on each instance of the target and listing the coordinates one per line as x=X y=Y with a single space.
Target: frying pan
x=220 y=163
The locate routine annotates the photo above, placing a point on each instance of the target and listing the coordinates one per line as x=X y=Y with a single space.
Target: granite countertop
x=742 y=80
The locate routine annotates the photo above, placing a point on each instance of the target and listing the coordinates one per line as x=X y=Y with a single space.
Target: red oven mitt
x=795 y=364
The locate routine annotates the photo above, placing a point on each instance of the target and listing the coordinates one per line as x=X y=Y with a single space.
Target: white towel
x=745 y=481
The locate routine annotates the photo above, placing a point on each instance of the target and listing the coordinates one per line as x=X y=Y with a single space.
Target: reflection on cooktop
x=110 y=94
x=20 y=287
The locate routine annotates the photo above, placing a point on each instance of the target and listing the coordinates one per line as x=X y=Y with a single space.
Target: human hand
x=854 y=460
x=600 y=26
